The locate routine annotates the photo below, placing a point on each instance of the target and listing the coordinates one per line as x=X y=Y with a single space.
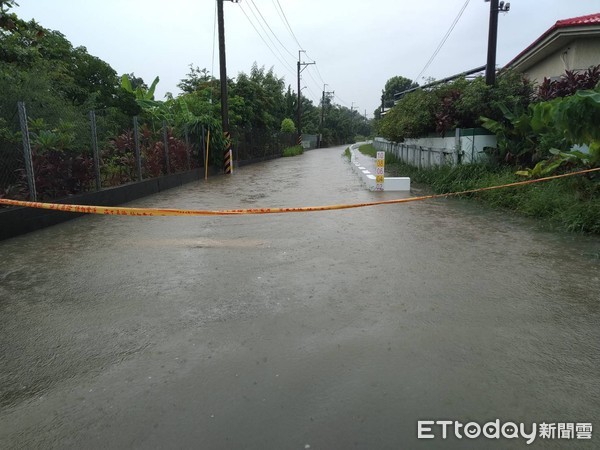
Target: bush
x=457 y=104
x=570 y=204
x=293 y=151
x=287 y=126
x=569 y=83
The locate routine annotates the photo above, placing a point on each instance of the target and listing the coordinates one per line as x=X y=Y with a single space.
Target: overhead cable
x=272 y=32
x=444 y=39
x=287 y=65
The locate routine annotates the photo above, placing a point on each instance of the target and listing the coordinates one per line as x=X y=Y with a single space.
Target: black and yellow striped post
x=228 y=155
x=299 y=139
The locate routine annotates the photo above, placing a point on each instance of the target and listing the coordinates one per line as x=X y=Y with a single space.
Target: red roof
x=583 y=20
x=591 y=19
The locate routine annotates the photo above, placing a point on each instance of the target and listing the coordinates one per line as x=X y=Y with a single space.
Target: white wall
x=436 y=151
x=578 y=55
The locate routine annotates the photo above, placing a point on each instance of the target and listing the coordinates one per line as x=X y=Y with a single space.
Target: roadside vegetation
x=293 y=151
x=571 y=204
x=542 y=131
x=369 y=150
x=60 y=84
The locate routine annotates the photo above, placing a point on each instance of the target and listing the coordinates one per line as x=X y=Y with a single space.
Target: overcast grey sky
x=357 y=44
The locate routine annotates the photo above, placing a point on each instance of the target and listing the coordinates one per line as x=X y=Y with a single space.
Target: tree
x=393 y=86
x=262 y=99
x=288 y=126
x=196 y=79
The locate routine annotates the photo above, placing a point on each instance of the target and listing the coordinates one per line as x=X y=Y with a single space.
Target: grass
x=569 y=204
x=369 y=150
x=347 y=154
x=293 y=151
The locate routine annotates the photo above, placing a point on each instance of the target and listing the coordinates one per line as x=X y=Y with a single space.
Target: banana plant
x=145 y=99
x=550 y=166
x=577 y=117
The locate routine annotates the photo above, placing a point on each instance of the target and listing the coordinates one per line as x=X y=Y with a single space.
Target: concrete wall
x=15 y=221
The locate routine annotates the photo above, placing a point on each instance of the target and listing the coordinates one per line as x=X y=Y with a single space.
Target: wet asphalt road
x=327 y=330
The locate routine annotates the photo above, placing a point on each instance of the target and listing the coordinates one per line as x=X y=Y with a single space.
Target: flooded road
x=320 y=330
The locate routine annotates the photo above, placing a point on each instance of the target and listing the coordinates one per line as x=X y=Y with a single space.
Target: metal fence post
x=95 y=149
x=27 y=151
x=202 y=151
x=136 y=140
x=166 y=142
x=187 y=148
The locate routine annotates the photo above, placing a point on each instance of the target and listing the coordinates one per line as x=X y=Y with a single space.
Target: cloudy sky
x=357 y=44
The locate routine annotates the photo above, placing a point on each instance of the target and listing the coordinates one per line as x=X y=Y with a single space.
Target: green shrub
x=293 y=151
x=570 y=204
x=287 y=126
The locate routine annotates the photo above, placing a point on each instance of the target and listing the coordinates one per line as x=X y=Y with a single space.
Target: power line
x=287 y=65
x=317 y=84
x=318 y=71
x=260 y=23
x=314 y=96
x=284 y=61
x=343 y=102
x=288 y=24
x=444 y=39
x=272 y=32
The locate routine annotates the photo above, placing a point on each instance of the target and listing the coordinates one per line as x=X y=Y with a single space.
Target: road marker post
x=379 y=171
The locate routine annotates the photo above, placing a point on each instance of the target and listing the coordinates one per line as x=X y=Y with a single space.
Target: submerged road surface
x=329 y=330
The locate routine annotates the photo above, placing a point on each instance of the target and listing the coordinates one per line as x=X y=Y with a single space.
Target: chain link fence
x=254 y=145
x=45 y=155
x=12 y=161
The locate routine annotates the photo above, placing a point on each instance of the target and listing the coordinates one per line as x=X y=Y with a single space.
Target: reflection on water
x=450 y=280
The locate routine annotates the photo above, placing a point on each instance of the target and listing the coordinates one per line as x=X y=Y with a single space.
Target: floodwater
x=319 y=330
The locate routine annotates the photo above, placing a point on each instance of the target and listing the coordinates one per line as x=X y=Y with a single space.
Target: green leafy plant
x=293 y=151
x=517 y=141
x=576 y=118
x=287 y=126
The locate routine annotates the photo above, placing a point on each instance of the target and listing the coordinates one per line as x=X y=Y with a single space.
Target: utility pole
x=228 y=154
x=300 y=69
x=490 y=68
x=323 y=109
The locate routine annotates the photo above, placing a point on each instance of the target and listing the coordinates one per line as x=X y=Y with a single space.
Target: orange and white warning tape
x=123 y=211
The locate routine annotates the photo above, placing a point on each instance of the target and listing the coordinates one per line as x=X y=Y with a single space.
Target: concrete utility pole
x=300 y=69
x=323 y=107
x=228 y=154
x=325 y=95
x=490 y=68
x=323 y=110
